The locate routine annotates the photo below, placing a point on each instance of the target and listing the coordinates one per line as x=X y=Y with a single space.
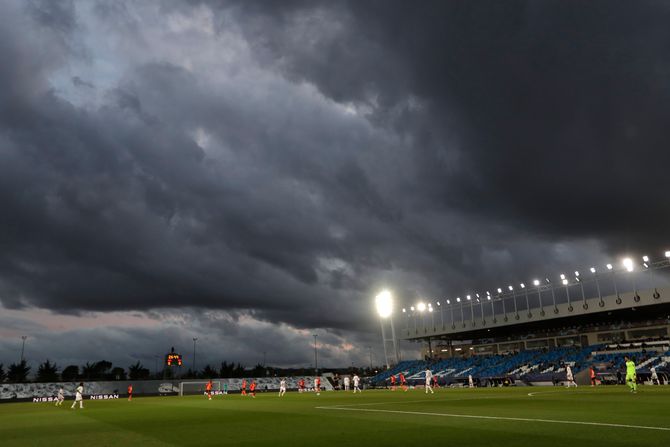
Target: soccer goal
x=198 y=387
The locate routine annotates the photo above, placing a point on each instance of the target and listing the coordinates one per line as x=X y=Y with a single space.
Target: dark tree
x=47 y=372
x=101 y=369
x=138 y=372
x=70 y=373
x=18 y=372
x=209 y=372
x=226 y=369
x=3 y=376
x=88 y=371
x=118 y=373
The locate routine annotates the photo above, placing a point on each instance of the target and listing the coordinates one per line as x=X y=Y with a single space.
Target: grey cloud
x=306 y=154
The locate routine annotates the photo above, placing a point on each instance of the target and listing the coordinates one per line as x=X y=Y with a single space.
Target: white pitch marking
x=501 y=418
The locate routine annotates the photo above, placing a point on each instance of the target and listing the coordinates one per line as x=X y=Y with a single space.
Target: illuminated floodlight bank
x=421 y=307
x=384 y=303
x=628 y=264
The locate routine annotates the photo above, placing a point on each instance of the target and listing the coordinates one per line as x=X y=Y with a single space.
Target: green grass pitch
x=603 y=416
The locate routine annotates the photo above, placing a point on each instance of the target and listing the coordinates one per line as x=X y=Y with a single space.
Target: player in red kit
x=301 y=386
x=403 y=382
x=244 y=387
x=130 y=392
x=252 y=388
x=392 y=383
x=208 y=389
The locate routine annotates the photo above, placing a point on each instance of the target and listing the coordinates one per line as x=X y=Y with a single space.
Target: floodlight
x=510 y=288
x=458 y=300
x=384 y=302
x=522 y=285
x=412 y=308
x=645 y=258
x=628 y=264
x=468 y=297
x=576 y=273
x=438 y=303
x=645 y=265
x=536 y=282
x=477 y=295
x=562 y=276
x=430 y=309
x=488 y=293
x=448 y=301
x=404 y=310
x=499 y=290
x=609 y=267
x=565 y=282
x=593 y=269
x=421 y=307
x=667 y=254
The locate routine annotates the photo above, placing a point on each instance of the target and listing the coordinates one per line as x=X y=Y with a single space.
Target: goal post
x=198 y=387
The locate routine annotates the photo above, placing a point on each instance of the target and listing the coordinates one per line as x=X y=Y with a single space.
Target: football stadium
x=583 y=360
x=334 y=223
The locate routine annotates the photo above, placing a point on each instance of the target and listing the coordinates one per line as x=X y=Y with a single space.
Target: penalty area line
x=499 y=418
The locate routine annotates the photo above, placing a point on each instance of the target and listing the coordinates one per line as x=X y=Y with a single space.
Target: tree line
x=103 y=370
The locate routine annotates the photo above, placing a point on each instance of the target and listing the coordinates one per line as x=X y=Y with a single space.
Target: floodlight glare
x=510 y=288
x=438 y=303
x=667 y=254
x=565 y=282
x=421 y=307
x=645 y=265
x=628 y=264
x=522 y=285
x=609 y=267
x=499 y=290
x=488 y=293
x=576 y=273
x=458 y=300
x=477 y=295
x=468 y=297
x=384 y=303
x=645 y=258
x=593 y=269
x=404 y=310
x=448 y=301
x=412 y=308
x=562 y=276
x=488 y=297
x=536 y=282
x=430 y=309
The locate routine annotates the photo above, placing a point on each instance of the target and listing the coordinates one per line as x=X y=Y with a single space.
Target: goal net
x=198 y=387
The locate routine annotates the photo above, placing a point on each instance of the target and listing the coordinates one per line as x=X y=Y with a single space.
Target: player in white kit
x=347 y=383
x=61 y=397
x=282 y=387
x=357 y=381
x=429 y=378
x=570 y=378
x=79 y=396
x=471 y=383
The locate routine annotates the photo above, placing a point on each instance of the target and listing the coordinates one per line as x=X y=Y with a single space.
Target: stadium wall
x=46 y=392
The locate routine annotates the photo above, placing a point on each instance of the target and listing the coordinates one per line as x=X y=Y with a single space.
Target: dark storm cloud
x=284 y=160
x=548 y=115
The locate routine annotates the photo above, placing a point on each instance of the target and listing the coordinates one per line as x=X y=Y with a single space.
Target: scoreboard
x=173 y=359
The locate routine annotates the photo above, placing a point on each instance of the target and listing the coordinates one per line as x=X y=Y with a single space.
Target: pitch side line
x=367 y=404
x=500 y=418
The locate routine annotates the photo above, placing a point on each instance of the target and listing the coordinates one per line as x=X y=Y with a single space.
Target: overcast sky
x=252 y=172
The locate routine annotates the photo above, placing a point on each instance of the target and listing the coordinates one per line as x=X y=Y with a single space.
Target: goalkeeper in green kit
x=631 y=376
